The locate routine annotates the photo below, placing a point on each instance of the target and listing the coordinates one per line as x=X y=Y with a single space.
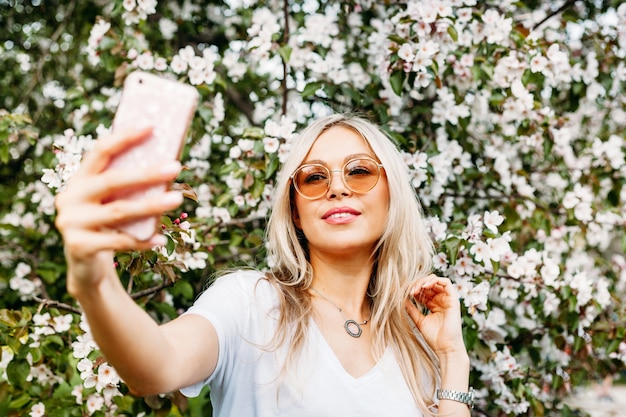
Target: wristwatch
x=462 y=397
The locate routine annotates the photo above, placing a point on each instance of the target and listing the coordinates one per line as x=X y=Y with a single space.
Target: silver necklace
x=353 y=328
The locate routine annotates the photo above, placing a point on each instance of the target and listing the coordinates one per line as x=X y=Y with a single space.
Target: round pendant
x=353 y=328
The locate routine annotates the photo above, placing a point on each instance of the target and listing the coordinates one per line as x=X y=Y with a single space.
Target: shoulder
x=248 y=281
x=237 y=288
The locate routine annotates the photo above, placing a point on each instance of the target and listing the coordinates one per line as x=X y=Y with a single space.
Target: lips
x=340 y=213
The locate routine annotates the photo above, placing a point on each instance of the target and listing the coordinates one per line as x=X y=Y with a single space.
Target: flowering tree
x=511 y=117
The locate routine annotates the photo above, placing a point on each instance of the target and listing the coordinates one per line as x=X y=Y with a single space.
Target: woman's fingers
x=84 y=243
x=106 y=148
x=415 y=312
x=96 y=215
x=104 y=186
x=440 y=322
x=87 y=228
x=434 y=292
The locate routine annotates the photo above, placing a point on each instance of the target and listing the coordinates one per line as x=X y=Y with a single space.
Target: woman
x=326 y=331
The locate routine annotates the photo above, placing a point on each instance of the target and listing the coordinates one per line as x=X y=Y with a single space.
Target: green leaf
x=49 y=272
x=8 y=318
x=205 y=113
x=106 y=43
x=452 y=247
x=495 y=265
x=567 y=412
x=397 y=81
x=135 y=267
x=36 y=355
x=487 y=69
x=165 y=309
x=51 y=345
x=184 y=288
x=272 y=167
x=14 y=343
x=170 y=246
x=285 y=52
x=614 y=196
x=17 y=371
x=613 y=345
x=537 y=406
x=4 y=407
x=4 y=153
x=311 y=88
x=579 y=343
x=235 y=240
x=453 y=33
x=19 y=402
x=397 y=39
x=223 y=199
x=233 y=209
x=253 y=132
x=228 y=168
x=470 y=337
x=60 y=412
x=257 y=188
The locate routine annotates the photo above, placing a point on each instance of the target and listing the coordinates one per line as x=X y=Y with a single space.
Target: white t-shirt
x=243 y=308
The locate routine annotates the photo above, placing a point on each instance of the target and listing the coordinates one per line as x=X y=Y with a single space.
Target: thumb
x=416 y=315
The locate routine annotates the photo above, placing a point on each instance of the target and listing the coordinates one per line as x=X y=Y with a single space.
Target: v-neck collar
x=327 y=351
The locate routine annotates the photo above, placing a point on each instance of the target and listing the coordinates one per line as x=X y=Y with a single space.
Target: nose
x=337 y=184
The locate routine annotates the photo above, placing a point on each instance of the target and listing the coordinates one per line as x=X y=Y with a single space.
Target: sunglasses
x=359 y=175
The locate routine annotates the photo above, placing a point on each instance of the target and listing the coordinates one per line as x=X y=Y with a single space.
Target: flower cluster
x=100 y=382
x=199 y=69
x=138 y=10
x=22 y=283
x=69 y=150
x=96 y=35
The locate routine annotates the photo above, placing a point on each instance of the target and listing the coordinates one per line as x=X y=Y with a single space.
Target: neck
x=346 y=287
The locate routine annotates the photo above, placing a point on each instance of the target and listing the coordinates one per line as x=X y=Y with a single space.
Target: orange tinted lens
x=311 y=180
x=361 y=175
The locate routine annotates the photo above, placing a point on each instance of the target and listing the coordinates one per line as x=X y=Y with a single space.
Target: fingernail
x=173 y=198
x=171 y=168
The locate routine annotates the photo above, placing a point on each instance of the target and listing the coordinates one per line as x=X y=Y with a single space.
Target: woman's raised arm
x=442 y=330
x=149 y=358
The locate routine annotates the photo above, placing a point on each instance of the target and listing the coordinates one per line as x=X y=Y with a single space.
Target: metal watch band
x=462 y=397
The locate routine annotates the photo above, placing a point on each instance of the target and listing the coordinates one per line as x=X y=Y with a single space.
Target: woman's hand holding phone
x=113 y=202
x=166 y=105
x=88 y=214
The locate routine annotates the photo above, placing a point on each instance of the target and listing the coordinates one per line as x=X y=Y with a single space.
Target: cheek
x=383 y=196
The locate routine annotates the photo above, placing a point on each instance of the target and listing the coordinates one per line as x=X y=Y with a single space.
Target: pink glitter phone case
x=166 y=105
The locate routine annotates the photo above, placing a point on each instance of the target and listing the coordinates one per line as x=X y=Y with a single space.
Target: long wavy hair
x=403 y=254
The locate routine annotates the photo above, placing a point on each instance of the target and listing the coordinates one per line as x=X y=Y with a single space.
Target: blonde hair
x=403 y=254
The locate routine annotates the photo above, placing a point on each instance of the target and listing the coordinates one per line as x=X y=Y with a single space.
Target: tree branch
x=46 y=302
x=57 y=304
x=561 y=9
x=152 y=290
x=245 y=106
x=285 y=67
x=233 y=222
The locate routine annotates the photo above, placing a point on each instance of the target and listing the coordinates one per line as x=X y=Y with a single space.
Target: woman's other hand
x=441 y=324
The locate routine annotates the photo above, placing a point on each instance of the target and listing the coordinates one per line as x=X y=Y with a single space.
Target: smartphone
x=168 y=106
